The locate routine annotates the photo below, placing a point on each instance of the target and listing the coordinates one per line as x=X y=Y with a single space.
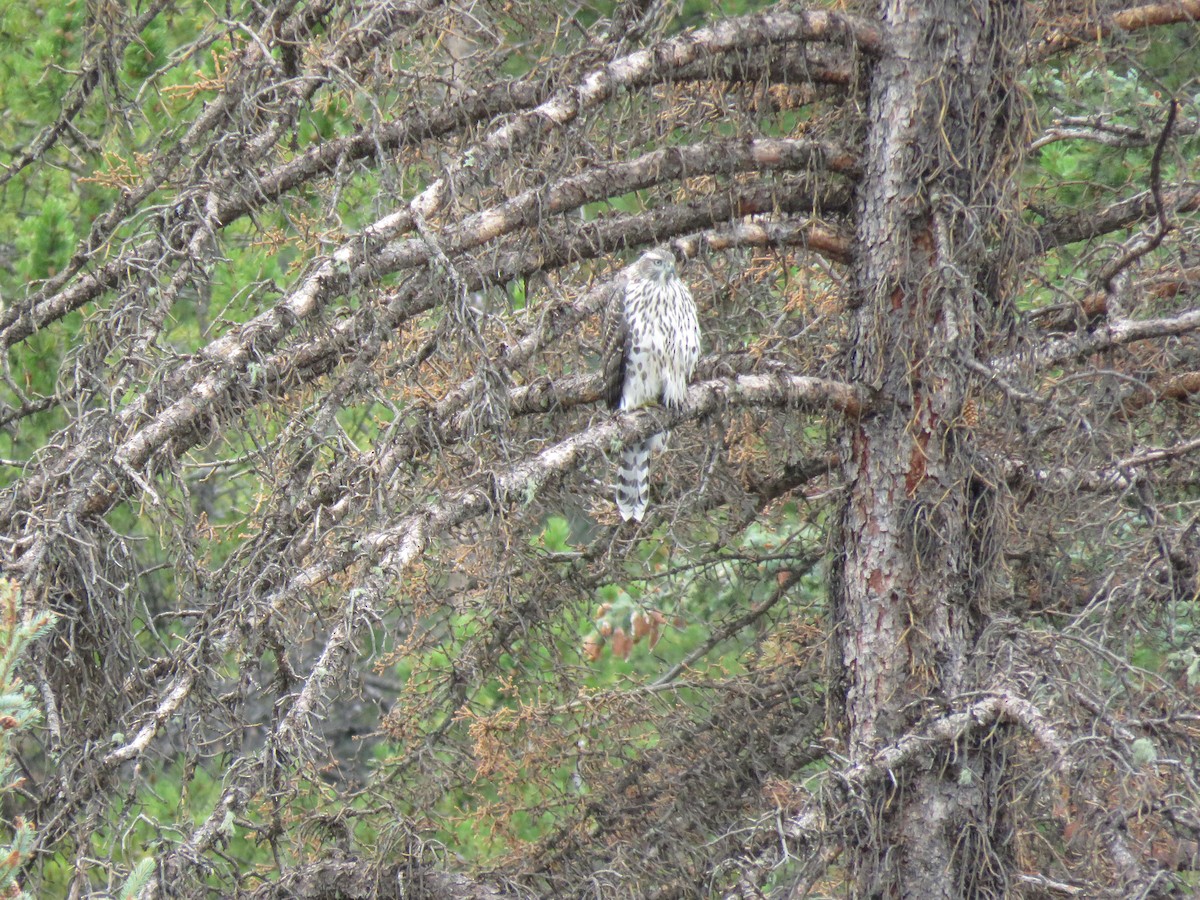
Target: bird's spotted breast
x=662 y=348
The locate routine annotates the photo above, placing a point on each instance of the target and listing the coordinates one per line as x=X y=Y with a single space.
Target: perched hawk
x=651 y=344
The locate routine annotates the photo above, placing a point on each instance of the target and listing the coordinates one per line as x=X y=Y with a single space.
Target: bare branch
x=1148 y=243
x=1087 y=28
x=1096 y=223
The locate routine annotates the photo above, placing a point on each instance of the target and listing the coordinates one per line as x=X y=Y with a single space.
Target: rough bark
x=914 y=571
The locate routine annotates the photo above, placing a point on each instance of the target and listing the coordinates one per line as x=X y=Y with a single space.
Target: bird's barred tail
x=633 y=479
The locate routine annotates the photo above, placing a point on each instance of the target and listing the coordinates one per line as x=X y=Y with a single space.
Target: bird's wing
x=614 y=349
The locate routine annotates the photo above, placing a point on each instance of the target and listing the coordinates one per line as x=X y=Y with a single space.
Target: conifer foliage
x=19 y=712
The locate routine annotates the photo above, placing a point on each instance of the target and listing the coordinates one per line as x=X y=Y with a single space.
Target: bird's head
x=657 y=265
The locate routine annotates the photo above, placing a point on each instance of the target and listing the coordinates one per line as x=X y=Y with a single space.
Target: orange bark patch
x=875 y=581
x=917 y=463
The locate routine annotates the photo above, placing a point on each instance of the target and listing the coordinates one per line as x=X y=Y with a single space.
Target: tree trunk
x=944 y=130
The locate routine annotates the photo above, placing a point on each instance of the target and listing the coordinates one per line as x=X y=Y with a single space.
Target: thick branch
x=399 y=546
x=1095 y=223
x=394 y=549
x=1087 y=29
x=942 y=733
x=217 y=372
x=636 y=70
x=1115 y=334
x=42 y=308
x=646 y=67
